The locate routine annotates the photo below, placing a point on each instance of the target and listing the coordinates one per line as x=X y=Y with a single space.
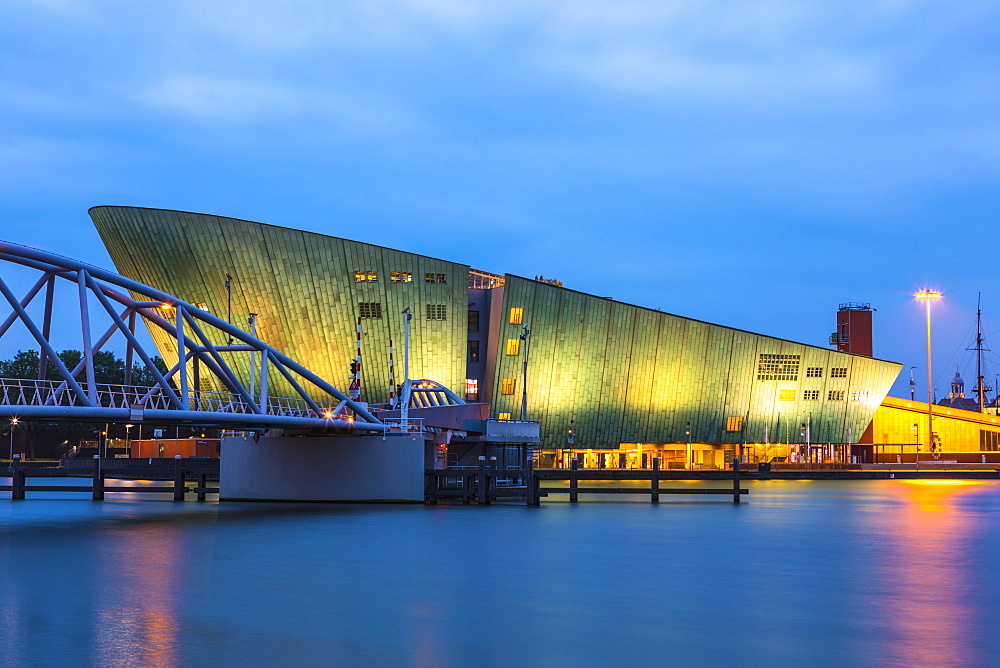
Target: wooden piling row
x=98 y=487
x=481 y=483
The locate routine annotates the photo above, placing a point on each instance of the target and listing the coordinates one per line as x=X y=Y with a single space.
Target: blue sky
x=750 y=164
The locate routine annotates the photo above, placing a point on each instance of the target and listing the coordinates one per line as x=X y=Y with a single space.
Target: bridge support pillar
x=322 y=468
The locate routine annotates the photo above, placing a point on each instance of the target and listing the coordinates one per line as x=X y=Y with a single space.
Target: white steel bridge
x=110 y=307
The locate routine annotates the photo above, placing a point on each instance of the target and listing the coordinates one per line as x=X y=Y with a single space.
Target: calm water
x=806 y=573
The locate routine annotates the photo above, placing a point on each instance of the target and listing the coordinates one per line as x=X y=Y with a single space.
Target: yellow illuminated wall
x=956 y=429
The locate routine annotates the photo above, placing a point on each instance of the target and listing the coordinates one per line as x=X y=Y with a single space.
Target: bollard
x=574 y=481
x=98 y=484
x=202 y=483
x=16 y=478
x=654 y=484
x=736 y=479
x=179 y=488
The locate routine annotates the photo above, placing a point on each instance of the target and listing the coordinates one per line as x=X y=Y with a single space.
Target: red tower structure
x=854 y=329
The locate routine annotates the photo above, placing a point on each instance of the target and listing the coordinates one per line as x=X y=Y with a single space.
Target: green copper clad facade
x=619 y=373
x=303 y=288
x=623 y=373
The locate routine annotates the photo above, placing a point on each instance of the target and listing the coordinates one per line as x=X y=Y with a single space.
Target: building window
x=401 y=276
x=202 y=306
x=835 y=395
x=838 y=372
x=473 y=321
x=810 y=395
x=435 y=278
x=814 y=372
x=989 y=441
x=361 y=276
x=859 y=395
x=513 y=347
x=734 y=424
x=503 y=416
x=370 y=309
x=777 y=367
x=437 y=311
x=472 y=389
x=517 y=316
x=786 y=395
x=507 y=385
x=473 y=351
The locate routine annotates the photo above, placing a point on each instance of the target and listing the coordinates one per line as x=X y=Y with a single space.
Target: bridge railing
x=22 y=392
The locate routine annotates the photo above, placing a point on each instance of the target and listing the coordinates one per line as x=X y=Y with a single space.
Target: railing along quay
x=485 y=485
x=177 y=475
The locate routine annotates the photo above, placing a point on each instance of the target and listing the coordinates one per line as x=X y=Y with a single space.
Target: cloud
x=215 y=100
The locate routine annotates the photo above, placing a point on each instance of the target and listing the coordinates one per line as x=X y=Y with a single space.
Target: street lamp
x=128 y=437
x=13 y=423
x=928 y=296
x=524 y=374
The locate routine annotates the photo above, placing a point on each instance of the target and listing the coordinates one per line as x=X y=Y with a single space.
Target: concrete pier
x=323 y=468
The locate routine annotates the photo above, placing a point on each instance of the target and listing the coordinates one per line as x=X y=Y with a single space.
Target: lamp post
x=13 y=423
x=928 y=296
x=128 y=437
x=524 y=374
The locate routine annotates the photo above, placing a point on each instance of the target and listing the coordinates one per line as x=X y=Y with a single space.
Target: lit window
x=201 y=305
x=513 y=346
x=516 y=316
x=372 y=275
x=507 y=385
x=473 y=351
x=435 y=278
x=810 y=395
x=472 y=389
x=786 y=395
x=777 y=367
x=859 y=395
x=370 y=309
x=838 y=372
x=437 y=311
x=503 y=416
x=814 y=372
x=835 y=395
x=401 y=276
x=361 y=276
x=734 y=424
x=473 y=321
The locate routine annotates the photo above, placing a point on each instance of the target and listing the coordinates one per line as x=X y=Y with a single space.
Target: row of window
x=362 y=276
x=786 y=367
x=813 y=395
x=370 y=310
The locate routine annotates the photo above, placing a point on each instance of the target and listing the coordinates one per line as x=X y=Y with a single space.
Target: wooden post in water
x=98 y=486
x=16 y=478
x=179 y=488
x=484 y=483
x=574 y=481
x=736 y=479
x=202 y=483
x=654 y=484
x=531 y=482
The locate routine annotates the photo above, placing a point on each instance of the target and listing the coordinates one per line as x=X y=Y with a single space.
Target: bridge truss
x=112 y=306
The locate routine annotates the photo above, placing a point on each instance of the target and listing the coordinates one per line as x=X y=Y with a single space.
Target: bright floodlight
x=927 y=294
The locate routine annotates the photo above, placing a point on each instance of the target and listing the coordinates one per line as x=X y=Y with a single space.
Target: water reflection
x=926 y=606
x=137 y=610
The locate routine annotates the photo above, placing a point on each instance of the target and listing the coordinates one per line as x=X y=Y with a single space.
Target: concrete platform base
x=327 y=468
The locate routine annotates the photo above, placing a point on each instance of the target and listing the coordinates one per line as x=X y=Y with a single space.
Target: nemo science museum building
x=611 y=384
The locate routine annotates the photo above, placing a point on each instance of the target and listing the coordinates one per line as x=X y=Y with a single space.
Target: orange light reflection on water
x=926 y=578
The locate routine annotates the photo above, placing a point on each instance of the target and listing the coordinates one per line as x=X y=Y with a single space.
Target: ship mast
x=980 y=389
